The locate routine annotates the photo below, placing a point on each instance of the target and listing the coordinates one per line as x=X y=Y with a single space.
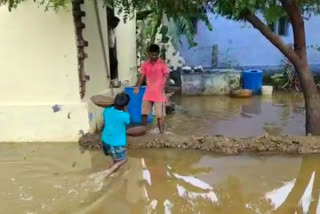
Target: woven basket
x=241 y=93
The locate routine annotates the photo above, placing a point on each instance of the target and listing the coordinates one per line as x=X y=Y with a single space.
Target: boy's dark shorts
x=117 y=153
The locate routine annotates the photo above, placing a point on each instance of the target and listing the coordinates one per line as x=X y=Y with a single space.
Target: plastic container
x=252 y=80
x=267 y=90
x=135 y=105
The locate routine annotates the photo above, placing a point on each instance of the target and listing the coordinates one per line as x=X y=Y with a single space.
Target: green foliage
x=11 y=3
x=279 y=79
x=48 y=4
x=183 y=12
x=271 y=9
x=233 y=9
x=315 y=47
x=273 y=13
x=164 y=30
x=183 y=26
x=181 y=18
x=141 y=15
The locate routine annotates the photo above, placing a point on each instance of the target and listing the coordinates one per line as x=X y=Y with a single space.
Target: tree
x=272 y=10
x=154 y=23
x=243 y=10
x=157 y=10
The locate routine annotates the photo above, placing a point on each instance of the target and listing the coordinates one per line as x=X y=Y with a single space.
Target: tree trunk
x=311 y=97
x=299 y=59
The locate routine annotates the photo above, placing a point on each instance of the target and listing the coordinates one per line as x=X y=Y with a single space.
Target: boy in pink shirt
x=156 y=73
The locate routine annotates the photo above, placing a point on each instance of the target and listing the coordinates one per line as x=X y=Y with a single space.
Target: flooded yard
x=281 y=114
x=59 y=178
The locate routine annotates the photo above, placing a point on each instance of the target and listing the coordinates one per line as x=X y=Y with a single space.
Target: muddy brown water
x=59 y=178
x=281 y=114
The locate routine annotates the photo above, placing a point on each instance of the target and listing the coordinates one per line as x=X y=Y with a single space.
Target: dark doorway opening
x=113 y=22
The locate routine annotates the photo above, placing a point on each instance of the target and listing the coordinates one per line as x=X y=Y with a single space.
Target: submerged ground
x=61 y=178
x=228 y=125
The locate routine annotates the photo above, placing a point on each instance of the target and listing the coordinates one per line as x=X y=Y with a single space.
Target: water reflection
x=304 y=195
x=246 y=184
x=253 y=107
x=58 y=178
x=279 y=114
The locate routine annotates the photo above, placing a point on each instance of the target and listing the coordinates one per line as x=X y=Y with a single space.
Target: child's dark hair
x=153 y=48
x=121 y=100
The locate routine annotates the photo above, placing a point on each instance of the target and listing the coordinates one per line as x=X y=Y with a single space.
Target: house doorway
x=113 y=22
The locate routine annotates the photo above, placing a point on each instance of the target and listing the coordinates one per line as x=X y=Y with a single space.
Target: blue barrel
x=252 y=79
x=135 y=104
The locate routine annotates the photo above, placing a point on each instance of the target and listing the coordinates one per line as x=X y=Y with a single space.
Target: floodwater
x=281 y=114
x=58 y=178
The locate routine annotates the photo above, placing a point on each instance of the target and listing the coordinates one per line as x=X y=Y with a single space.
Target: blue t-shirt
x=115 y=122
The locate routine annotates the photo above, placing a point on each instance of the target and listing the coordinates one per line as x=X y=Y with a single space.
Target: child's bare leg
x=144 y=120
x=161 y=125
x=116 y=165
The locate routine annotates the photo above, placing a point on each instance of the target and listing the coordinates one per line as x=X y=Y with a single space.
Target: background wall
x=239 y=44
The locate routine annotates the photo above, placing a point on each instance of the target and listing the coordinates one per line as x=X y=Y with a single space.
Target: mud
x=217 y=144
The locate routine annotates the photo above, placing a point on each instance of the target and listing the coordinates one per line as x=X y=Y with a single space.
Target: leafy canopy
x=182 y=12
x=233 y=9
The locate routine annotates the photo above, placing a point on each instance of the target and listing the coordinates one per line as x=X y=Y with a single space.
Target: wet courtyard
x=280 y=114
x=62 y=178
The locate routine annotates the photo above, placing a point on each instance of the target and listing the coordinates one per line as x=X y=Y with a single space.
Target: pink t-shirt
x=156 y=75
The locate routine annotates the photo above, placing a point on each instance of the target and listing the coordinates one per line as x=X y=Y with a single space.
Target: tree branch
x=296 y=17
x=274 y=39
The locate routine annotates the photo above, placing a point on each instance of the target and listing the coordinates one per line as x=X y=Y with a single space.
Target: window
x=280 y=27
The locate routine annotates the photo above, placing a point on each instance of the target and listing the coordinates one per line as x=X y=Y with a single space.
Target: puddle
x=58 y=178
x=280 y=114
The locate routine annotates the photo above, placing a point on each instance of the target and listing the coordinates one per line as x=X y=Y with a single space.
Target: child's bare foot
x=116 y=165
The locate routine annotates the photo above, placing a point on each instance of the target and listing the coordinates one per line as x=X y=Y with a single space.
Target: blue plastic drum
x=252 y=79
x=135 y=105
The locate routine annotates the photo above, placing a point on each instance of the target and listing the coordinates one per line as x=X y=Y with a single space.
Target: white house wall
x=95 y=67
x=94 y=64
x=127 y=50
x=39 y=87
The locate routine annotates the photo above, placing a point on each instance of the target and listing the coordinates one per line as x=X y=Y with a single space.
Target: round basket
x=241 y=93
x=102 y=101
x=136 y=131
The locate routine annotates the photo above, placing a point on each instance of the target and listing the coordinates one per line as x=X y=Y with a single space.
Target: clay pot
x=136 y=131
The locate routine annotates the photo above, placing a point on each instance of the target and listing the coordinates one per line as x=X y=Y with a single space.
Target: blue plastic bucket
x=252 y=80
x=134 y=107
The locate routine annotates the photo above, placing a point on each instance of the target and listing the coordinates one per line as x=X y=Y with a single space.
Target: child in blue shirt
x=114 y=133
